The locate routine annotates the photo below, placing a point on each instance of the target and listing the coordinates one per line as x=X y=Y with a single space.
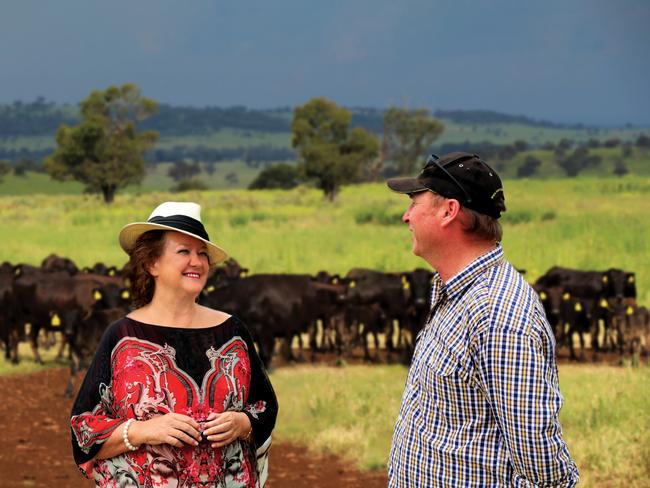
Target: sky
x=573 y=61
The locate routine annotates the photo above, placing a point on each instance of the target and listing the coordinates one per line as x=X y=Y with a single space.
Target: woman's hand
x=172 y=428
x=223 y=428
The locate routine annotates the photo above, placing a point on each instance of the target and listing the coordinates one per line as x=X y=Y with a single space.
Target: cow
x=599 y=289
x=419 y=299
x=58 y=263
x=391 y=291
x=44 y=298
x=272 y=306
x=635 y=331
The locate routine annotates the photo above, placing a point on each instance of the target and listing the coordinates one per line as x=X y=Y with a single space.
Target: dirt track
x=34 y=426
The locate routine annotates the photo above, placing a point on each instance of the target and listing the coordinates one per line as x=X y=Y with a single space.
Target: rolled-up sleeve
x=521 y=385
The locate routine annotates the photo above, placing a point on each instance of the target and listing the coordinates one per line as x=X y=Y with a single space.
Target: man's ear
x=450 y=209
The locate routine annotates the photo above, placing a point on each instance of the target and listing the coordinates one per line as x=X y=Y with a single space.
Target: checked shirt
x=481 y=401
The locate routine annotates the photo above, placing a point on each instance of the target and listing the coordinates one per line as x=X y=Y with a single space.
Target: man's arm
x=519 y=378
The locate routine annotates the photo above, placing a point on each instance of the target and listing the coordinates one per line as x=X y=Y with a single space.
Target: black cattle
x=636 y=330
x=577 y=317
x=419 y=282
x=45 y=298
x=333 y=335
x=101 y=269
x=551 y=298
x=272 y=306
x=228 y=271
x=600 y=289
x=58 y=263
x=391 y=291
x=8 y=330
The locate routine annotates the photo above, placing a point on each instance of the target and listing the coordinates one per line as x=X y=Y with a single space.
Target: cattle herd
x=334 y=314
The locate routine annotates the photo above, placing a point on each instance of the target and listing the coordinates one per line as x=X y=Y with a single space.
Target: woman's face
x=183 y=264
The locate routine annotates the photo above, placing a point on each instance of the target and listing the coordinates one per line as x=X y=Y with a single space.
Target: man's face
x=421 y=217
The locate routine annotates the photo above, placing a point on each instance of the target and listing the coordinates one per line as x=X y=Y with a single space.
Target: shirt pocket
x=442 y=384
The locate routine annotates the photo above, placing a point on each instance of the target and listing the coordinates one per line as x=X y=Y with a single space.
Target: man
x=481 y=401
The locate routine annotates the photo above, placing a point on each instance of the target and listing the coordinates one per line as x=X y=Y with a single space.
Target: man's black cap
x=459 y=175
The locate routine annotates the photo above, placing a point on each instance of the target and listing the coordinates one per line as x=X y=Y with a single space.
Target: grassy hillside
x=587 y=223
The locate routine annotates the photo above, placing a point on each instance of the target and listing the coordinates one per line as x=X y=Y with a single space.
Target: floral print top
x=141 y=371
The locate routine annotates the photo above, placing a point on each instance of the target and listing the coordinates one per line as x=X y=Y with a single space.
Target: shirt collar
x=465 y=277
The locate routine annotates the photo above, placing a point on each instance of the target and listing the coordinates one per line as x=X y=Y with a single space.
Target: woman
x=176 y=394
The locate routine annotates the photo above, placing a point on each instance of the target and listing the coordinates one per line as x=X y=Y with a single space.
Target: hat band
x=182 y=222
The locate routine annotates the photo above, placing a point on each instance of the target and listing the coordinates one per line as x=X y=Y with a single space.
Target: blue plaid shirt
x=481 y=401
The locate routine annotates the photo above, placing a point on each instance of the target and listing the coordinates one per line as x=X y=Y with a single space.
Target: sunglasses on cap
x=433 y=161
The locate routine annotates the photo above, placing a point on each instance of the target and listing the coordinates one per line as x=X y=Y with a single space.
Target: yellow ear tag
x=566 y=296
x=17 y=271
x=603 y=303
x=126 y=295
x=335 y=281
x=56 y=321
x=630 y=279
x=543 y=296
x=352 y=284
x=605 y=279
x=210 y=289
x=406 y=285
x=578 y=307
x=97 y=295
x=111 y=272
x=629 y=311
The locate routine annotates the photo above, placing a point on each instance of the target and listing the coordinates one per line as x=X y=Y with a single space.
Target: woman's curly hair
x=148 y=248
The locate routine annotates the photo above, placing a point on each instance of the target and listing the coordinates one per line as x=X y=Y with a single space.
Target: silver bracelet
x=125 y=435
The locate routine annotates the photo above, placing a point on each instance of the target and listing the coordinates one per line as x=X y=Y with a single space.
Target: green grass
x=586 y=223
x=351 y=411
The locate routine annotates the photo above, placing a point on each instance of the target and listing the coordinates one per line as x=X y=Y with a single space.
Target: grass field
x=586 y=223
x=352 y=410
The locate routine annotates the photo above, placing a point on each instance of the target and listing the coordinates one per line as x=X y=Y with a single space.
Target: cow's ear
x=352 y=284
x=631 y=278
x=605 y=279
x=97 y=295
x=85 y=270
x=18 y=270
x=243 y=273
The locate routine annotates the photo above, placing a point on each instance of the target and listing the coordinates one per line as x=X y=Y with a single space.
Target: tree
x=104 y=151
x=578 y=160
x=620 y=168
x=410 y=133
x=643 y=141
x=330 y=153
x=183 y=170
x=529 y=167
x=5 y=167
x=281 y=175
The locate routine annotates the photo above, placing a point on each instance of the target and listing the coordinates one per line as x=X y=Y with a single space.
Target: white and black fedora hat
x=184 y=217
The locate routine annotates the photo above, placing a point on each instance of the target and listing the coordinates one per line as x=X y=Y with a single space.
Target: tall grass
x=351 y=411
